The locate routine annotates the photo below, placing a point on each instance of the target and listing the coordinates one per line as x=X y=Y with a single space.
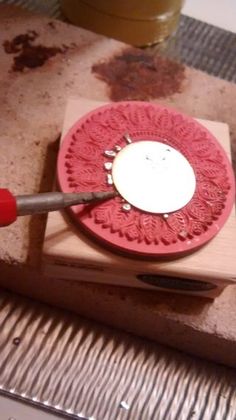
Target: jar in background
x=135 y=22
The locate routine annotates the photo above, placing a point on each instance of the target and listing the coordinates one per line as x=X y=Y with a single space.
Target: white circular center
x=153 y=177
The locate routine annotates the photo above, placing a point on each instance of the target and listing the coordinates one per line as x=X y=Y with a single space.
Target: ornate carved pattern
x=103 y=129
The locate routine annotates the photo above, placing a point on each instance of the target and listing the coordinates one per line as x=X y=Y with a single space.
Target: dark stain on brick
x=27 y=54
x=137 y=74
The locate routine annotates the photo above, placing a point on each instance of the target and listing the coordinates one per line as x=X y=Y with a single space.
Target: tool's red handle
x=8 y=209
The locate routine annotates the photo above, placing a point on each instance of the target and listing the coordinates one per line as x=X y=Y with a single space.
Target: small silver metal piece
x=165 y=216
x=126 y=207
x=108 y=166
x=69 y=411
x=124 y=405
x=118 y=148
x=110 y=153
x=127 y=138
x=109 y=179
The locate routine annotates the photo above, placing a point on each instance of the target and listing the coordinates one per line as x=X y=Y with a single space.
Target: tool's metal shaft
x=46 y=202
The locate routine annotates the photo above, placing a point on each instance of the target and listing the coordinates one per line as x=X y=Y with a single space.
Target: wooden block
x=68 y=253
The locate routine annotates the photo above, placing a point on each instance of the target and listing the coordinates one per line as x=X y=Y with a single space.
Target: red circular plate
x=81 y=168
